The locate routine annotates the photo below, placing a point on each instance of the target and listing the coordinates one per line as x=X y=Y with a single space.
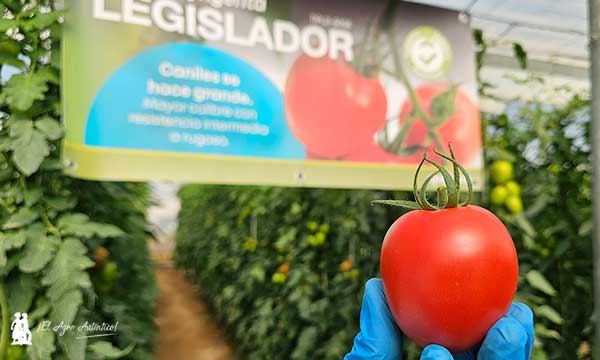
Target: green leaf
x=401 y=203
x=29 y=156
x=6 y=24
x=14 y=239
x=23 y=216
x=80 y=225
x=585 y=228
x=32 y=196
x=41 y=21
x=38 y=252
x=11 y=263
x=107 y=351
x=67 y=270
x=29 y=147
x=20 y=291
x=9 y=47
x=306 y=342
x=257 y=272
x=542 y=331
x=548 y=313
x=50 y=127
x=11 y=60
x=51 y=164
x=16 y=193
x=6 y=144
x=443 y=105
x=60 y=203
x=10 y=240
x=65 y=307
x=74 y=344
x=42 y=344
x=538 y=281
x=41 y=308
x=525 y=225
x=51 y=75
x=21 y=90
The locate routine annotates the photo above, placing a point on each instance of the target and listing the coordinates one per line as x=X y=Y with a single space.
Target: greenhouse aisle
x=185 y=328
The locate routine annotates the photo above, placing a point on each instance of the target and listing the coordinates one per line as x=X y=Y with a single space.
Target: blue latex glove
x=511 y=337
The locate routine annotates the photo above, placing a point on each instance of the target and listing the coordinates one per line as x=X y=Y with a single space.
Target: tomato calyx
x=448 y=196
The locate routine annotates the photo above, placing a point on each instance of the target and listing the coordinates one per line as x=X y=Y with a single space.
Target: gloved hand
x=511 y=337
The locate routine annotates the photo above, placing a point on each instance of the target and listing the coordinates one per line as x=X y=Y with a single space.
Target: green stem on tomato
x=5 y=323
x=448 y=196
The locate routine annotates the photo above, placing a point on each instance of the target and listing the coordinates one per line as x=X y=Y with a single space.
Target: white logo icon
x=427 y=52
x=21 y=335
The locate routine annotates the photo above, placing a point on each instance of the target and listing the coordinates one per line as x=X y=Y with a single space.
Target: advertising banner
x=329 y=93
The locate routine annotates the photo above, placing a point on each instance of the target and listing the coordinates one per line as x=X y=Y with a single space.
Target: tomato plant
x=317 y=302
x=449 y=270
x=53 y=222
x=331 y=108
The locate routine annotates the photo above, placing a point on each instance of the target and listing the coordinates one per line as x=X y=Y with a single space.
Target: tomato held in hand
x=332 y=109
x=462 y=128
x=449 y=271
x=448 y=275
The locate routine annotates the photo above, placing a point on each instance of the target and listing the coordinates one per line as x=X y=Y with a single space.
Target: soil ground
x=186 y=329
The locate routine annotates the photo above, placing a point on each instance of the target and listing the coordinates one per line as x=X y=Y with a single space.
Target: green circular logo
x=427 y=52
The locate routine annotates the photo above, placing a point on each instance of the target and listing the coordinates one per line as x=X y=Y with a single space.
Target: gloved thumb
x=436 y=352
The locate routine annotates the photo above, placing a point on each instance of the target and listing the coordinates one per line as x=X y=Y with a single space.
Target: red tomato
x=462 y=129
x=448 y=275
x=331 y=108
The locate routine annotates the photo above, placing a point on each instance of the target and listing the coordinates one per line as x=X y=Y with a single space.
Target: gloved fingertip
x=379 y=337
x=436 y=352
x=374 y=301
x=374 y=287
x=522 y=313
x=506 y=339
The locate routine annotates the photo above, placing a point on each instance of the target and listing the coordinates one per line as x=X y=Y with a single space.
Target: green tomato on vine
x=313 y=226
x=498 y=195
x=514 y=204
x=250 y=244
x=279 y=278
x=501 y=171
x=513 y=188
x=317 y=240
x=324 y=228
